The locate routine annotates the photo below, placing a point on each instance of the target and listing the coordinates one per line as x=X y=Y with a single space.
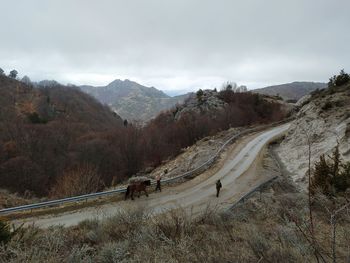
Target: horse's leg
x=132 y=194
x=127 y=192
x=139 y=192
x=146 y=192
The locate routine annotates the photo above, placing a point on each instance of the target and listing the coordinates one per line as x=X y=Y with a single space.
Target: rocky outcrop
x=325 y=119
x=206 y=103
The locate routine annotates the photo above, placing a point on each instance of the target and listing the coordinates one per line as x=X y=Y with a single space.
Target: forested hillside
x=42 y=134
x=58 y=141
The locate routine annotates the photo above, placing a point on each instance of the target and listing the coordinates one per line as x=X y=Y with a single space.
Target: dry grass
x=259 y=230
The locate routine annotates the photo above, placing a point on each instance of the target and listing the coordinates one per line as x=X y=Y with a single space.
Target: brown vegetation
x=40 y=148
x=79 y=180
x=269 y=227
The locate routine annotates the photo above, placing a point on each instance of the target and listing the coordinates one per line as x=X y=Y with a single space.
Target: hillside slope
x=325 y=118
x=20 y=102
x=133 y=101
x=45 y=132
x=291 y=91
x=212 y=103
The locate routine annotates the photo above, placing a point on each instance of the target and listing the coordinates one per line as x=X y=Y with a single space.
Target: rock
x=325 y=127
x=209 y=103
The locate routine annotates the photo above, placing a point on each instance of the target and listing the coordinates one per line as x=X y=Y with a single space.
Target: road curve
x=195 y=194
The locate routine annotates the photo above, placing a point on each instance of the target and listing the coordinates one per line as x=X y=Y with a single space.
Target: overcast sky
x=178 y=44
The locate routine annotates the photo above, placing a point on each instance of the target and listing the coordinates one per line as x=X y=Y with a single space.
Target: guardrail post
x=260 y=194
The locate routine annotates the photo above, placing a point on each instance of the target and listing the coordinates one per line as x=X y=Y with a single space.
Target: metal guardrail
x=192 y=172
x=258 y=187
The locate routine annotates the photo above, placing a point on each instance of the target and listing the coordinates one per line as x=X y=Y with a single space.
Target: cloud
x=183 y=44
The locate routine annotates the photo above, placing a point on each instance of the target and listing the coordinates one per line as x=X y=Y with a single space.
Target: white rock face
x=303 y=100
x=209 y=104
x=325 y=120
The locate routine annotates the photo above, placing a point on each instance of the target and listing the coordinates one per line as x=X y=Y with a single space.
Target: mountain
x=19 y=101
x=45 y=132
x=133 y=101
x=291 y=91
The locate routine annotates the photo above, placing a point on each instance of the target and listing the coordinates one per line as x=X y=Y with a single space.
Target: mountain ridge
x=291 y=91
x=133 y=101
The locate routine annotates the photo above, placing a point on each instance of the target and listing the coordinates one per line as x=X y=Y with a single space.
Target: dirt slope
x=325 y=118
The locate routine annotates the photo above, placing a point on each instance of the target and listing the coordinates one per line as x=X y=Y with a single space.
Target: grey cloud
x=182 y=44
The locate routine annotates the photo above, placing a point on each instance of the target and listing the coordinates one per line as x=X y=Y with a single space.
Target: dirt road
x=236 y=170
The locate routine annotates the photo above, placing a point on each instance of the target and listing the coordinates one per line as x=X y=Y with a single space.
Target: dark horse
x=137 y=187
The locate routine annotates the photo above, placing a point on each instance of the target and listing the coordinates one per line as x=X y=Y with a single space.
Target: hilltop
x=133 y=101
x=291 y=91
x=212 y=103
x=30 y=105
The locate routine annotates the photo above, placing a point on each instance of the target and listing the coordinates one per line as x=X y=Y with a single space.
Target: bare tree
x=333 y=221
x=334 y=212
x=309 y=144
x=82 y=179
x=26 y=80
x=313 y=241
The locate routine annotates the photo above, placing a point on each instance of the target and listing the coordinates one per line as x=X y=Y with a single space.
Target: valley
x=263 y=173
x=180 y=131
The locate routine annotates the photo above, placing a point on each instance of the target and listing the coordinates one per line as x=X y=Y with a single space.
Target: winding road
x=237 y=170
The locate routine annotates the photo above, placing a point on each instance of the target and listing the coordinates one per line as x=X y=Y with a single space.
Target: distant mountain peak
x=116 y=81
x=132 y=100
x=291 y=91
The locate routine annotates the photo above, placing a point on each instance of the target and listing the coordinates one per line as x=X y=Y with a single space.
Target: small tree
x=82 y=179
x=242 y=88
x=342 y=181
x=13 y=74
x=200 y=94
x=231 y=86
x=36 y=119
x=331 y=82
x=339 y=80
x=1 y=72
x=321 y=176
x=331 y=176
x=5 y=233
x=342 y=78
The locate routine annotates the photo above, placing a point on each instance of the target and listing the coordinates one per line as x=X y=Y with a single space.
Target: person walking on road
x=158 y=177
x=218 y=187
